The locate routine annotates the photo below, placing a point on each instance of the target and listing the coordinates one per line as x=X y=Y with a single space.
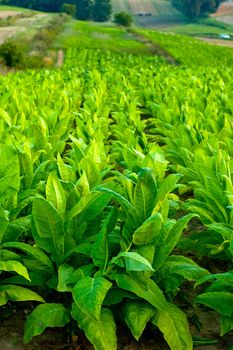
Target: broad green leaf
x=180 y=265
x=144 y=194
x=43 y=316
x=68 y=276
x=49 y=228
x=167 y=243
x=55 y=194
x=36 y=252
x=226 y=324
x=3 y=223
x=173 y=323
x=126 y=205
x=136 y=315
x=101 y=333
x=89 y=294
x=150 y=292
x=8 y=255
x=222 y=302
x=132 y=261
x=100 y=250
x=17 y=293
x=83 y=248
x=226 y=278
x=66 y=173
x=64 y=273
x=14 y=266
x=148 y=230
x=115 y=295
x=9 y=170
x=93 y=204
x=167 y=185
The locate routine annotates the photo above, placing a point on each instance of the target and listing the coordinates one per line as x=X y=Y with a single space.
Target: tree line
x=97 y=10
x=197 y=8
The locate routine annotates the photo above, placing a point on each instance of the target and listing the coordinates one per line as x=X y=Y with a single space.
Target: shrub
x=12 y=54
x=123 y=18
x=69 y=9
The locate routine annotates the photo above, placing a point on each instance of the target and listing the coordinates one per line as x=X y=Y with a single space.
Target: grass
x=206 y=27
x=15 y=8
x=91 y=35
x=120 y=5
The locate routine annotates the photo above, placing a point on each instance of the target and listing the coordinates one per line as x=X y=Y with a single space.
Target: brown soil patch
x=218 y=42
x=139 y=6
x=225 y=8
x=5 y=14
x=60 y=58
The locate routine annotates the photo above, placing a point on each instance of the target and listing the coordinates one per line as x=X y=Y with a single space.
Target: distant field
x=161 y=12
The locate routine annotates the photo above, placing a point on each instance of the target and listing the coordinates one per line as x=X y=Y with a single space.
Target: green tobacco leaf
x=222 y=302
x=64 y=273
x=173 y=324
x=148 y=230
x=177 y=264
x=9 y=170
x=36 y=252
x=66 y=173
x=68 y=276
x=55 y=194
x=226 y=278
x=168 y=184
x=150 y=292
x=8 y=255
x=144 y=194
x=126 y=205
x=100 y=253
x=3 y=223
x=49 y=228
x=136 y=315
x=167 y=243
x=89 y=294
x=14 y=266
x=93 y=204
x=83 y=248
x=17 y=293
x=132 y=261
x=115 y=295
x=226 y=324
x=46 y=315
x=101 y=333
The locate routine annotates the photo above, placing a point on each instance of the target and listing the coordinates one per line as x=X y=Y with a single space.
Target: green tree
x=84 y=9
x=70 y=9
x=102 y=10
x=196 y=8
x=123 y=18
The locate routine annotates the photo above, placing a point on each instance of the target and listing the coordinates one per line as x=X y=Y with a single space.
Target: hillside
x=149 y=13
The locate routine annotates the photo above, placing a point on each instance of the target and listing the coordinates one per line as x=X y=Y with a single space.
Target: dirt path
x=219 y=42
x=60 y=58
x=153 y=47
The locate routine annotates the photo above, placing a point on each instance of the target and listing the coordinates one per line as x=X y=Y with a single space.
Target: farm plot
x=143 y=7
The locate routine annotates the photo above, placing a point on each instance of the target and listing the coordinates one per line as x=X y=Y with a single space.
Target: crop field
x=116 y=195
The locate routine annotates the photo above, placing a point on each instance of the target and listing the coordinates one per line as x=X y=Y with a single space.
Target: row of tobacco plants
x=104 y=164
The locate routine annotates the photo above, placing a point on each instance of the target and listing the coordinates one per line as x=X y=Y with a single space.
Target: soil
x=12 y=325
x=225 y=8
x=219 y=42
x=60 y=58
x=138 y=6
